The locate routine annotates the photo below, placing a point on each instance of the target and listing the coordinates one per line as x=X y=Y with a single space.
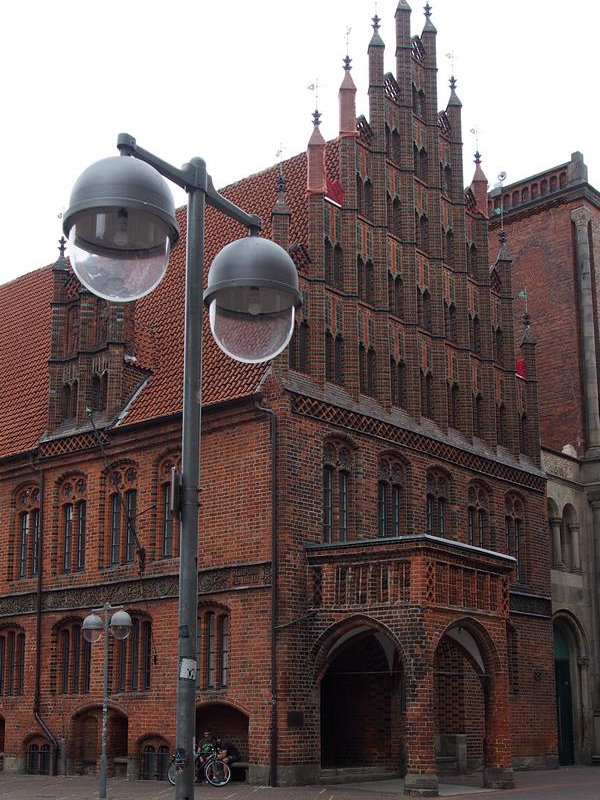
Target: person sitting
x=205 y=748
x=227 y=751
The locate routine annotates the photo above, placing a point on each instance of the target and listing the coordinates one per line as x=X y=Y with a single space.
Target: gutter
x=38 y=627
x=273 y=745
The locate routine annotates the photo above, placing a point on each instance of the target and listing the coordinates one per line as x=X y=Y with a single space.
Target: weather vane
x=501 y=179
x=475 y=132
x=348 y=32
x=522 y=295
x=314 y=87
x=450 y=55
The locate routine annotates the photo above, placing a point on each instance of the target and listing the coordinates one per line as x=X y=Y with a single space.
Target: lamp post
x=120 y=628
x=121 y=228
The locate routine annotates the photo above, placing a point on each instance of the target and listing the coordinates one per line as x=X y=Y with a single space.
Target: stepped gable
x=162 y=311
x=24 y=352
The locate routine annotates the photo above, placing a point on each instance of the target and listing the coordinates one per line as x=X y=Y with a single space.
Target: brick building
x=552 y=221
x=374 y=577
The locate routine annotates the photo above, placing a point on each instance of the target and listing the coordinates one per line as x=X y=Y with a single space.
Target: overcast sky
x=228 y=81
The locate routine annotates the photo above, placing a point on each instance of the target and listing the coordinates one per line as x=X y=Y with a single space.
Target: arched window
x=122 y=515
x=476 y=327
x=133 y=657
x=427 y=394
x=371 y=363
x=73 y=499
x=73 y=660
x=362 y=368
x=437 y=504
x=72 y=333
x=453 y=405
x=298 y=349
x=329 y=357
x=12 y=661
x=213 y=648
x=28 y=530
x=396 y=227
x=38 y=758
x=328 y=259
x=99 y=388
x=337 y=469
x=523 y=444
x=472 y=260
x=359 y=194
x=501 y=431
x=391 y=499
x=423 y=165
x=369 y=282
x=447 y=181
x=515 y=533
x=339 y=360
x=478 y=415
x=154 y=761
x=424 y=233
x=169 y=525
x=362 y=279
x=368 y=195
x=396 y=147
x=426 y=310
x=338 y=264
x=499 y=341
x=452 y=324
x=398 y=298
x=449 y=248
x=478 y=527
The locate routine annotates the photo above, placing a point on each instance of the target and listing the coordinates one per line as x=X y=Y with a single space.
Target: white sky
x=227 y=80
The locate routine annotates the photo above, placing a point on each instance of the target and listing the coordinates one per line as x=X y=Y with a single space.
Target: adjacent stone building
x=374 y=570
x=552 y=221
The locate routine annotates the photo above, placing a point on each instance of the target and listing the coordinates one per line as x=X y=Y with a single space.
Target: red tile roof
x=25 y=321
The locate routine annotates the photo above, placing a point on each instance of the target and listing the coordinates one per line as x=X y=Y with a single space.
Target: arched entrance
x=226 y=721
x=362 y=702
x=86 y=742
x=460 y=691
x=564 y=696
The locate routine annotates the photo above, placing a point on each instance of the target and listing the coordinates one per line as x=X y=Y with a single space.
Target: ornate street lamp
x=120 y=628
x=121 y=228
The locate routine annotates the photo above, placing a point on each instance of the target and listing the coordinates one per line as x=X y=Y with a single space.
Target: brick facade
x=371 y=526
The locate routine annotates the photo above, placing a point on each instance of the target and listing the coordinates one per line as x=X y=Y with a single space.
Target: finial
x=316 y=117
x=427 y=9
x=347 y=62
x=314 y=87
x=452 y=83
x=526 y=319
x=61 y=263
x=280 y=183
x=376 y=21
x=477 y=157
x=62 y=242
x=522 y=295
x=502 y=238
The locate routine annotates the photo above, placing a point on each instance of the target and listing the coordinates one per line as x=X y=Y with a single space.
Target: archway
x=362 y=702
x=462 y=687
x=564 y=695
x=85 y=746
x=226 y=721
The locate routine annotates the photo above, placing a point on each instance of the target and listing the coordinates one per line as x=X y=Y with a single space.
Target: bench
x=239 y=770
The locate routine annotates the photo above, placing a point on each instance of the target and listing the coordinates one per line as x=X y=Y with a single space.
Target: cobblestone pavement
x=567 y=783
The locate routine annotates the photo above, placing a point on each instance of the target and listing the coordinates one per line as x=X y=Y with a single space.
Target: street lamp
x=121 y=228
x=120 y=628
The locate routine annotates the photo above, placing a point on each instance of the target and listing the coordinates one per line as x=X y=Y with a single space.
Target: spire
x=61 y=263
x=479 y=187
x=376 y=40
x=316 y=159
x=429 y=26
x=347 y=102
x=281 y=206
x=402 y=6
x=453 y=101
x=529 y=336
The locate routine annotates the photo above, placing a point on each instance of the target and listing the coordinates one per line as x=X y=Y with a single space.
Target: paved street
x=568 y=783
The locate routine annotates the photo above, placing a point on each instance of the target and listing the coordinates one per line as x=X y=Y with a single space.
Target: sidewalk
x=567 y=783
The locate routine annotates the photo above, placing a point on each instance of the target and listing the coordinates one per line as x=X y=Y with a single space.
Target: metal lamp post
x=120 y=628
x=121 y=228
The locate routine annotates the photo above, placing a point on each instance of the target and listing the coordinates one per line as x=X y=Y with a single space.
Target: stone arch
x=84 y=742
x=360 y=658
x=227 y=720
x=572 y=664
x=469 y=665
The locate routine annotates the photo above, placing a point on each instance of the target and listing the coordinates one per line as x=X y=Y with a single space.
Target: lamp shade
x=120 y=624
x=252 y=293
x=92 y=628
x=121 y=227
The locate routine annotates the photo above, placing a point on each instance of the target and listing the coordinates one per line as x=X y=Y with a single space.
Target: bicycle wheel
x=172 y=773
x=217 y=773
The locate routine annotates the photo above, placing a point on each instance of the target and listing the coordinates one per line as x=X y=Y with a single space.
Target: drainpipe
x=274 y=595
x=38 y=627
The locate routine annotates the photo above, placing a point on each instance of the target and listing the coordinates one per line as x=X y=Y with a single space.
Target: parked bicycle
x=216 y=772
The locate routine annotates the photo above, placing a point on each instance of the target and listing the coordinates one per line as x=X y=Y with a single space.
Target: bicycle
x=216 y=772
